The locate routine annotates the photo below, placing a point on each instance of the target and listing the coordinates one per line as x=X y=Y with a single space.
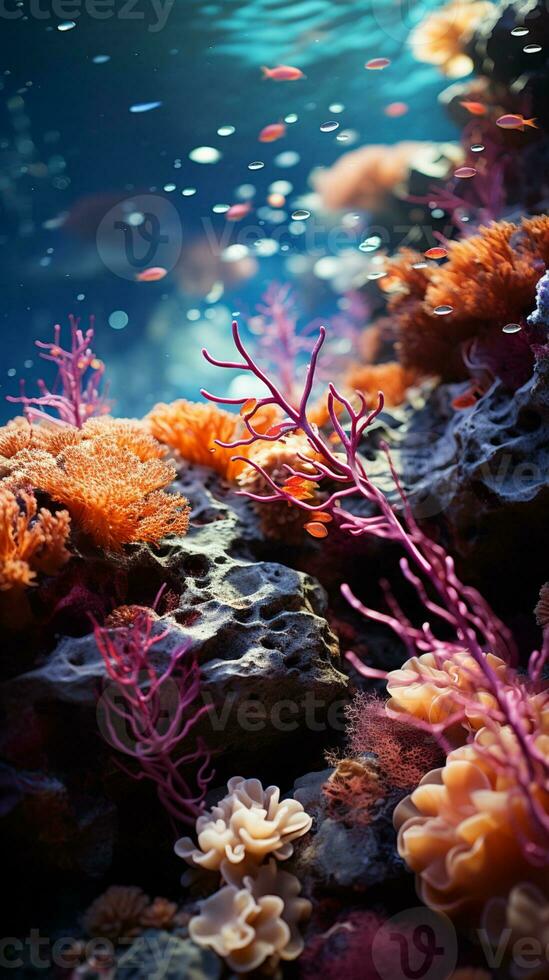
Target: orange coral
x=111 y=494
x=365 y=177
x=192 y=429
x=433 y=689
x=352 y=790
x=117 y=913
x=390 y=378
x=440 y=39
x=31 y=541
x=461 y=829
x=489 y=280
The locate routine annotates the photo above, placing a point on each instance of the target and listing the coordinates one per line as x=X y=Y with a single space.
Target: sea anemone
x=243 y=828
x=441 y=38
x=31 y=541
x=110 y=493
x=463 y=830
x=488 y=281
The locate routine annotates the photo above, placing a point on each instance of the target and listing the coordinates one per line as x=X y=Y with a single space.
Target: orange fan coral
x=30 y=541
x=192 y=429
x=489 y=280
x=461 y=830
x=390 y=378
x=441 y=38
x=111 y=494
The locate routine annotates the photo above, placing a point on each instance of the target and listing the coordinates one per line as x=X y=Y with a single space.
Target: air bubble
x=256 y=165
x=301 y=214
x=329 y=127
x=443 y=310
x=512 y=328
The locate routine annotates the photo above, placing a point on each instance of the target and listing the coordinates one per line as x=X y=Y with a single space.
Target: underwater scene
x=274 y=489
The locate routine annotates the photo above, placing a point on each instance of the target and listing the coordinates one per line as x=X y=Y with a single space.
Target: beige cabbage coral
x=436 y=689
x=461 y=830
x=254 y=923
x=246 y=825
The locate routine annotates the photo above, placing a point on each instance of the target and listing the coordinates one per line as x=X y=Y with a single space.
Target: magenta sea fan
x=149 y=714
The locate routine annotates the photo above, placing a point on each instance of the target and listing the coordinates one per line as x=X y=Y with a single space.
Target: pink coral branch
x=76 y=394
x=142 y=701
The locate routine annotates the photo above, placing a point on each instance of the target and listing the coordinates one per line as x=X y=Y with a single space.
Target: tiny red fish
x=272 y=132
x=396 y=109
x=475 y=108
x=154 y=274
x=436 y=253
x=238 y=211
x=316 y=530
x=466 y=400
x=376 y=64
x=512 y=121
x=282 y=73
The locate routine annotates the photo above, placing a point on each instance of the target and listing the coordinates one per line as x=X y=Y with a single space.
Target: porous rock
x=337 y=856
x=483 y=476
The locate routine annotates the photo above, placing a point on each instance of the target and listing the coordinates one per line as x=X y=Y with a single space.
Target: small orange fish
x=475 y=108
x=282 y=73
x=512 y=121
x=376 y=64
x=272 y=132
x=436 y=253
x=396 y=109
x=154 y=274
x=316 y=530
x=238 y=211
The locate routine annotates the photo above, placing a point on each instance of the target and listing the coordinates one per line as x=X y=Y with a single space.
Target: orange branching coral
x=352 y=790
x=488 y=280
x=365 y=177
x=31 y=541
x=463 y=828
x=282 y=520
x=193 y=428
x=117 y=913
x=391 y=378
x=437 y=690
x=111 y=494
x=127 y=433
x=441 y=38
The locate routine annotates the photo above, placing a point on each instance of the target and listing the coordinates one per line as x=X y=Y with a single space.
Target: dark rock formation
x=339 y=857
x=483 y=476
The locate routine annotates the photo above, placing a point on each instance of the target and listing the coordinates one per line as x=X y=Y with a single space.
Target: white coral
x=246 y=825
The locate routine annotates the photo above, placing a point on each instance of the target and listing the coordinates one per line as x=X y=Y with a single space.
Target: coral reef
x=441 y=39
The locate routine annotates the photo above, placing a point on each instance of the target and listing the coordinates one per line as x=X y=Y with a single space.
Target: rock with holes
x=341 y=855
x=482 y=475
x=270 y=663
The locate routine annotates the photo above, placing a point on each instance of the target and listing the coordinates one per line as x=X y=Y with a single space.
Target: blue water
x=71 y=150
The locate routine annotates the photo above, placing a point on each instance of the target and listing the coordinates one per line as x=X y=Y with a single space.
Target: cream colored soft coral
x=462 y=829
x=248 y=925
x=246 y=825
x=435 y=689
